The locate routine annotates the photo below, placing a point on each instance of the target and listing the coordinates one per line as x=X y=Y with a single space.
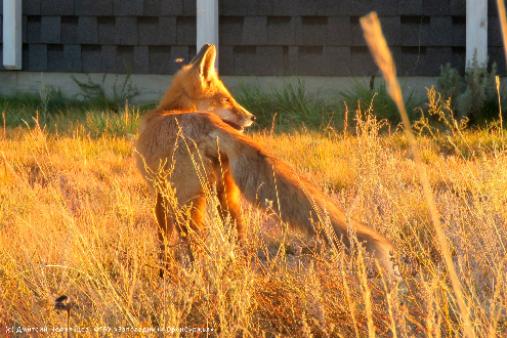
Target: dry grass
x=76 y=219
x=374 y=37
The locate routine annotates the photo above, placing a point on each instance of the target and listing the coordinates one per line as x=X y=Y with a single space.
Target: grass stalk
x=375 y=39
x=4 y=121
x=500 y=118
x=503 y=24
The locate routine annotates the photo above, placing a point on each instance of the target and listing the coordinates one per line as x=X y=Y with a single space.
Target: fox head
x=197 y=87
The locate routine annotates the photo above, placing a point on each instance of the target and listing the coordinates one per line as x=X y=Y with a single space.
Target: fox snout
x=246 y=119
x=236 y=116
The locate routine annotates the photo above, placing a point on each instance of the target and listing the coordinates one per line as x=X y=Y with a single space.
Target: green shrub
x=472 y=95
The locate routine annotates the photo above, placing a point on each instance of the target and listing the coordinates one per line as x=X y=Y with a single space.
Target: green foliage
x=281 y=109
x=361 y=96
x=119 y=124
x=20 y=109
x=51 y=109
x=289 y=107
x=450 y=83
x=292 y=106
x=472 y=95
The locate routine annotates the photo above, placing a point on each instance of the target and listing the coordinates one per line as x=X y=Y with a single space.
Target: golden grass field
x=76 y=219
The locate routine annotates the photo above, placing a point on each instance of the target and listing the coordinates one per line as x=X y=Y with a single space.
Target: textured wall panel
x=170 y=7
x=69 y=30
x=148 y=30
x=262 y=37
x=167 y=30
x=126 y=30
x=281 y=30
x=494 y=32
x=337 y=60
x=32 y=32
x=56 y=59
x=458 y=31
x=254 y=31
x=90 y=55
x=128 y=7
x=231 y=30
x=88 y=30
x=436 y=7
x=272 y=60
x=410 y=7
x=185 y=30
x=56 y=7
x=361 y=62
x=37 y=57
x=311 y=30
x=226 y=60
x=108 y=58
x=31 y=7
x=310 y=60
x=151 y=8
x=244 y=59
x=339 y=30
x=50 y=29
x=92 y=7
x=458 y=7
x=159 y=60
x=107 y=30
x=72 y=57
x=125 y=59
x=141 y=59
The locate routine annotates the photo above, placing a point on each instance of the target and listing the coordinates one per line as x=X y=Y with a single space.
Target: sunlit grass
x=76 y=219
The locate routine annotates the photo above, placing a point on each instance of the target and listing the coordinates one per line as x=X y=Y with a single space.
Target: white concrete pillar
x=12 y=44
x=477 y=32
x=207 y=23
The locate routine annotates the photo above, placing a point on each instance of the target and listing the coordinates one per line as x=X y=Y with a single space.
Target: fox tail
x=269 y=182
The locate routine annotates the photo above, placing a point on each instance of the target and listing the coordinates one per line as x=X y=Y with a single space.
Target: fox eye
x=225 y=100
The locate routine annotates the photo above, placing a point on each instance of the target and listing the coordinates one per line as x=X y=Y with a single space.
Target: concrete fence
x=318 y=38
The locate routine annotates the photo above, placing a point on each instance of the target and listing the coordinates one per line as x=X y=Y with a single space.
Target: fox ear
x=204 y=61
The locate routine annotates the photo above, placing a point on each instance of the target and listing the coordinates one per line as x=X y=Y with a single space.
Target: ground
x=76 y=219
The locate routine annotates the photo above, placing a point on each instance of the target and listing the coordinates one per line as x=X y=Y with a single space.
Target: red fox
x=198 y=117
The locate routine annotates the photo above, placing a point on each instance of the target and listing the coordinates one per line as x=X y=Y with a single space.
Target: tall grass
x=76 y=219
x=383 y=58
x=78 y=238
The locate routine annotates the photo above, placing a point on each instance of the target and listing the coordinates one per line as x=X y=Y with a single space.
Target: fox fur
x=198 y=117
